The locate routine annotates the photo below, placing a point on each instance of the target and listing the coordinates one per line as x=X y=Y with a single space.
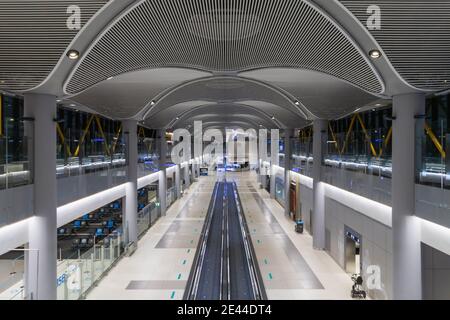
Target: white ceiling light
x=375 y=54
x=73 y=54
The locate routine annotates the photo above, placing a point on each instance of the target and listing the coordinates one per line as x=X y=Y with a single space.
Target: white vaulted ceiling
x=294 y=60
x=34 y=36
x=415 y=36
x=224 y=36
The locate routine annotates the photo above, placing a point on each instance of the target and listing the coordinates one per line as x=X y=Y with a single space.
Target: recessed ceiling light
x=178 y=118
x=2 y=81
x=297 y=103
x=378 y=105
x=110 y=78
x=375 y=54
x=73 y=54
x=58 y=100
x=72 y=105
x=152 y=103
x=273 y=117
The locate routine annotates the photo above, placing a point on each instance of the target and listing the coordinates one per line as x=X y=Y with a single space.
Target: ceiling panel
x=415 y=36
x=224 y=37
x=33 y=37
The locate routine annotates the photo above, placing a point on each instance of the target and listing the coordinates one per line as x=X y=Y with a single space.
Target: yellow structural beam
x=369 y=140
x=83 y=136
x=336 y=144
x=350 y=128
x=63 y=140
x=116 y=139
x=386 y=142
x=100 y=128
x=435 y=140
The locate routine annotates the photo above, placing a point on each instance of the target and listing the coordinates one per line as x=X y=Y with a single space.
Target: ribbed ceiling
x=415 y=35
x=34 y=36
x=223 y=36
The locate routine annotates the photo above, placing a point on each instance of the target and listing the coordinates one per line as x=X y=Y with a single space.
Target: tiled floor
x=160 y=266
x=291 y=269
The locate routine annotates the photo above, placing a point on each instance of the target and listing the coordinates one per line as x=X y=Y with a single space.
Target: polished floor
x=160 y=267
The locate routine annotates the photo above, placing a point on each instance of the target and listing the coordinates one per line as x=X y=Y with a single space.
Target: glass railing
x=15 y=168
x=171 y=196
x=75 y=166
x=78 y=274
x=147 y=217
x=11 y=279
x=433 y=167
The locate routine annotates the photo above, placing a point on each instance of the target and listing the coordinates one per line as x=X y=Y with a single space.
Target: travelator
x=225 y=265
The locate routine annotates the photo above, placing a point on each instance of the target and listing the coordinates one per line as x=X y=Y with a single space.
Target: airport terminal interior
x=224 y=150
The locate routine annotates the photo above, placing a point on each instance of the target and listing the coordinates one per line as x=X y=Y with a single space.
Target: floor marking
x=189 y=250
x=184 y=261
x=270 y=276
x=192 y=241
x=179 y=276
x=259 y=241
x=265 y=261
x=173 y=295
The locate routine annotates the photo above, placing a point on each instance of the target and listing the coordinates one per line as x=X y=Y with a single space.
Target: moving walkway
x=225 y=266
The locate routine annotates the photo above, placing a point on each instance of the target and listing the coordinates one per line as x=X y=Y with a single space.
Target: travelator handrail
x=225 y=285
x=259 y=291
x=194 y=278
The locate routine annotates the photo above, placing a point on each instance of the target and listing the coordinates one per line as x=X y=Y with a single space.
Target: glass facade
x=15 y=144
x=361 y=142
x=434 y=165
x=302 y=152
x=87 y=143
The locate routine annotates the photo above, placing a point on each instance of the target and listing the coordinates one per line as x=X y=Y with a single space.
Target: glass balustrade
x=12 y=276
x=79 y=273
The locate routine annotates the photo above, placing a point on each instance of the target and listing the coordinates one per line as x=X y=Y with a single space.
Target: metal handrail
x=194 y=278
x=255 y=275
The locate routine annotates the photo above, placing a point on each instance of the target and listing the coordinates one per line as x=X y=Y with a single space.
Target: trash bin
x=299 y=226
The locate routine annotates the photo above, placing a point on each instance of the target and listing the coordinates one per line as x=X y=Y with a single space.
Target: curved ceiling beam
x=220 y=110
x=205 y=118
x=225 y=89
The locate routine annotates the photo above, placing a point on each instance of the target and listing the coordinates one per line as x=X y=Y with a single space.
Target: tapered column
x=274 y=159
x=41 y=264
x=287 y=169
x=193 y=171
x=407 y=269
x=162 y=186
x=187 y=181
x=319 y=137
x=130 y=208
x=177 y=181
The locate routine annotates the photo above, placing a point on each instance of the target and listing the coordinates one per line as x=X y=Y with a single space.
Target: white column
x=162 y=185
x=130 y=208
x=407 y=269
x=320 y=133
x=187 y=181
x=287 y=169
x=177 y=181
x=193 y=171
x=274 y=156
x=41 y=264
